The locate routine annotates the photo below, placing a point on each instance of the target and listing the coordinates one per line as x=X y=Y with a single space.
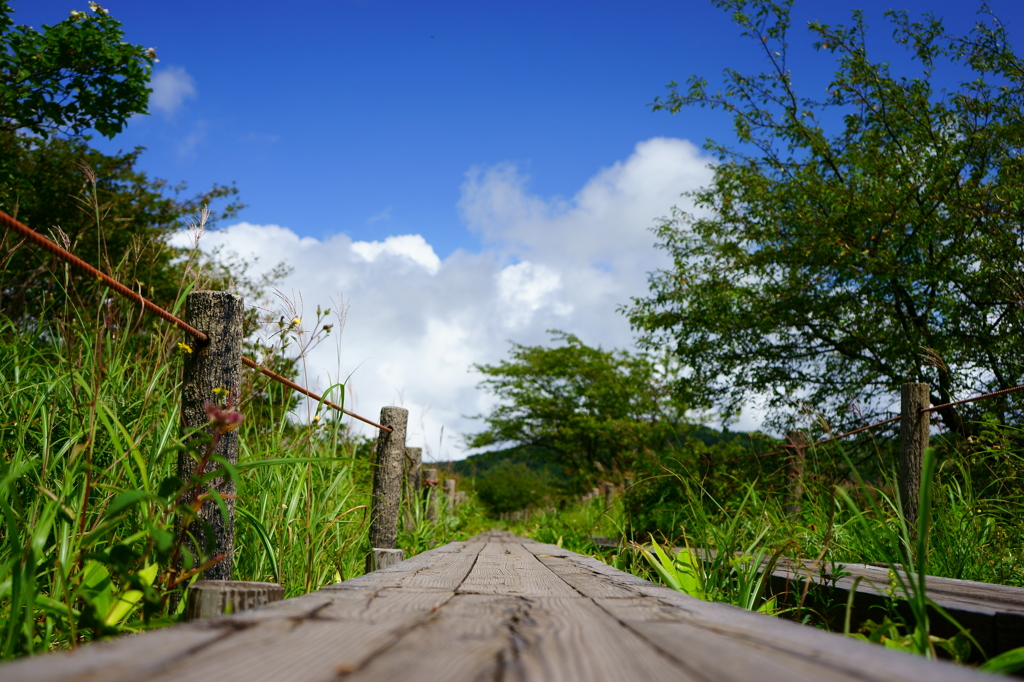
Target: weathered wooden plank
x=507 y=568
x=722 y=642
x=338 y=639
x=117 y=659
x=586 y=581
x=993 y=613
x=443 y=568
x=498 y=607
x=574 y=639
x=478 y=636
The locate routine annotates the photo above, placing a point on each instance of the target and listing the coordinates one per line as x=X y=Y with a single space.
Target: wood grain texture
x=211 y=371
x=915 y=426
x=337 y=639
x=507 y=568
x=441 y=569
x=126 y=658
x=387 y=478
x=698 y=634
x=212 y=598
x=496 y=607
x=484 y=637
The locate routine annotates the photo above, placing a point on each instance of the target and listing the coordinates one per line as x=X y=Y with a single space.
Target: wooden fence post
x=212 y=375
x=449 y=492
x=609 y=495
x=914 y=433
x=797 y=441
x=387 y=486
x=212 y=598
x=430 y=488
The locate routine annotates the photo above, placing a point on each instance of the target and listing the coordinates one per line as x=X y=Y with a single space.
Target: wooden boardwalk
x=993 y=613
x=497 y=607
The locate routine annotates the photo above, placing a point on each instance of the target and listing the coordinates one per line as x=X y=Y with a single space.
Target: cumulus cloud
x=412 y=247
x=417 y=324
x=172 y=86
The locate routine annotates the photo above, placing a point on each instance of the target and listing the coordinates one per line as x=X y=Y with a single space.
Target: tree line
x=852 y=239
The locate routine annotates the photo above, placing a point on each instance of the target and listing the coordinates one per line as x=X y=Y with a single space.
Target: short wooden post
x=430 y=489
x=609 y=495
x=449 y=492
x=382 y=558
x=914 y=433
x=460 y=497
x=212 y=375
x=212 y=598
x=595 y=493
x=797 y=444
x=387 y=481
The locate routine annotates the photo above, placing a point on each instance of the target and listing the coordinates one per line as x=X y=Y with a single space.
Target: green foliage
x=100 y=207
x=1005 y=663
x=511 y=486
x=72 y=76
x=589 y=410
x=857 y=239
x=89 y=440
x=692 y=472
x=87 y=487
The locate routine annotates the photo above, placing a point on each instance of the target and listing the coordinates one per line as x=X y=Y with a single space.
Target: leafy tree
x=107 y=212
x=73 y=76
x=56 y=84
x=855 y=241
x=590 y=410
x=511 y=486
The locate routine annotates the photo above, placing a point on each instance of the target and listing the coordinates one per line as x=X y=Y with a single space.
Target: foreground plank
x=497 y=607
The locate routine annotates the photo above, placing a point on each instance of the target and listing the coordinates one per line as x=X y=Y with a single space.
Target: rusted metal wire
x=923 y=410
x=971 y=400
x=295 y=387
x=784 y=448
x=70 y=258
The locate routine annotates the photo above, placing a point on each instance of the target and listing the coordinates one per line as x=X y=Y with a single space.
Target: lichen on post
x=387 y=479
x=211 y=378
x=915 y=426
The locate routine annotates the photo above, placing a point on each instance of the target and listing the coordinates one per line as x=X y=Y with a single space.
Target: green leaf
x=1005 y=663
x=127 y=602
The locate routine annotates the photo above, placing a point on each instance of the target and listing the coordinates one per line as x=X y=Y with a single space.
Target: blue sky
x=461 y=174
x=364 y=116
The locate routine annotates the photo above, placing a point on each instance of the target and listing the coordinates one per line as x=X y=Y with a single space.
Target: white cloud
x=412 y=247
x=524 y=288
x=418 y=324
x=172 y=86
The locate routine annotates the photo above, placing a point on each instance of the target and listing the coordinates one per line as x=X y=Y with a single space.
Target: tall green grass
x=731 y=525
x=89 y=440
